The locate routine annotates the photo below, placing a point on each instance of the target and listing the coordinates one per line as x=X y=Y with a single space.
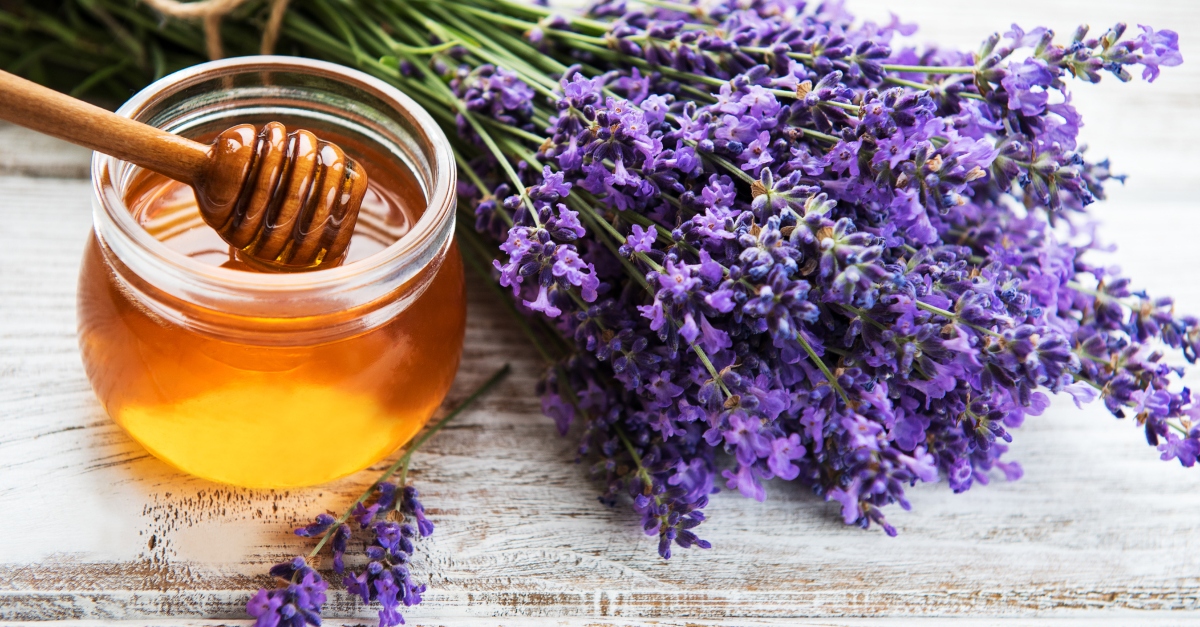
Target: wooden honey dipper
x=287 y=200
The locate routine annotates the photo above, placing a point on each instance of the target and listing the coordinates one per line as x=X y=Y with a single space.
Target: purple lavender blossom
x=772 y=253
x=1159 y=49
x=495 y=92
x=386 y=578
x=296 y=604
x=641 y=240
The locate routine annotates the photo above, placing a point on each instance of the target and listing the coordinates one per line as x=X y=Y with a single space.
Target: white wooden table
x=1099 y=532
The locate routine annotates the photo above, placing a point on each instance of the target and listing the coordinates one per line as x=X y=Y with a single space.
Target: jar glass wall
x=265 y=379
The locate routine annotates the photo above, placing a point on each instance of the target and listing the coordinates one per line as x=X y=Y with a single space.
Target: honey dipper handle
x=47 y=111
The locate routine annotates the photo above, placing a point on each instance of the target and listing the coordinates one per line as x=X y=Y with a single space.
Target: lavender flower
x=296 y=603
x=386 y=578
x=386 y=513
x=873 y=312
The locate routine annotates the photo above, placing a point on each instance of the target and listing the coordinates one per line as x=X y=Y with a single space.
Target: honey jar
x=270 y=379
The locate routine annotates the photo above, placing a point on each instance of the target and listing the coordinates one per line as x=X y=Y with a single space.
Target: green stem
x=712 y=370
x=950 y=315
x=595 y=26
x=907 y=83
x=495 y=52
x=863 y=315
x=642 y=472
x=518 y=132
x=408 y=453
x=466 y=168
x=799 y=56
x=821 y=136
x=665 y=70
x=521 y=152
x=929 y=69
x=478 y=128
x=1079 y=287
x=529 y=9
x=511 y=45
x=612 y=247
x=402 y=478
x=678 y=7
x=820 y=363
x=927 y=87
x=507 y=20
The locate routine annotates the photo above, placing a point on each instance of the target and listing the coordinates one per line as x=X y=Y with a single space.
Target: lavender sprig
x=393 y=518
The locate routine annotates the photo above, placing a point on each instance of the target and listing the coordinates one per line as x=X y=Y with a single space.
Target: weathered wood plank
x=30 y=154
x=97 y=530
x=1141 y=619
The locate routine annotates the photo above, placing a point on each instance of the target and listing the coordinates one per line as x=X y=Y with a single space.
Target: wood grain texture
x=1114 y=619
x=1099 y=532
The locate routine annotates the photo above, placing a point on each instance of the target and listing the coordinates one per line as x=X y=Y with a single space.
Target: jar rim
x=427 y=232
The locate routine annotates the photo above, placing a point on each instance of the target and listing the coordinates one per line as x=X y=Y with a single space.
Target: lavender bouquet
x=754 y=239
x=764 y=230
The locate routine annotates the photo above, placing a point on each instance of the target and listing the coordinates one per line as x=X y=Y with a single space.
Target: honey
x=168 y=210
x=286 y=381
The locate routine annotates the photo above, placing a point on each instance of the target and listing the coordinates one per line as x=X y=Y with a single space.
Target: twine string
x=210 y=13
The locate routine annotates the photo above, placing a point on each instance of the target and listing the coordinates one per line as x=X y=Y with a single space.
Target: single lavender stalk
x=388 y=521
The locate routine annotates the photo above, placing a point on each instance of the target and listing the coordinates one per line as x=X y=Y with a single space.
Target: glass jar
x=272 y=379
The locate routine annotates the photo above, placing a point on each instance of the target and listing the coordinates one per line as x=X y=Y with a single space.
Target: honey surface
x=260 y=415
